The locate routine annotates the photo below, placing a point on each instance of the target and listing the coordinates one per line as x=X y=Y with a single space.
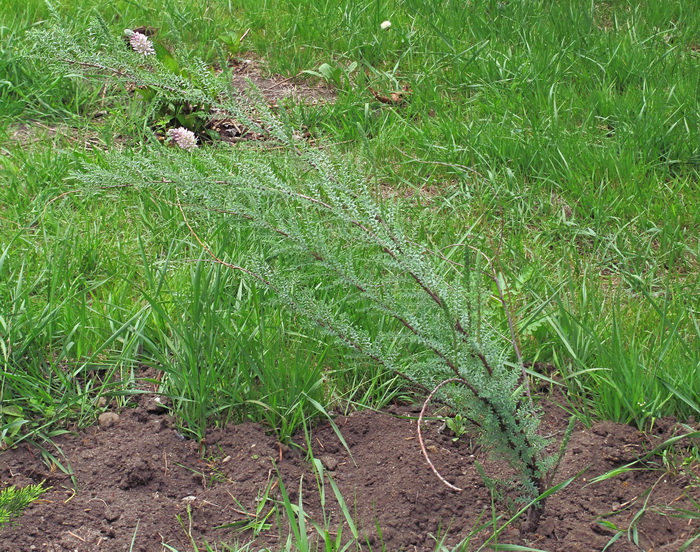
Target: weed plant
x=13 y=501
x=324 y=237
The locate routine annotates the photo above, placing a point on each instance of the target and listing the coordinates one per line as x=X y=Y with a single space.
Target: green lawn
x=560 y=139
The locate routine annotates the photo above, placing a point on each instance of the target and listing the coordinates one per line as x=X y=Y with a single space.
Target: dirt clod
x=329 y=462
x=107 y=419
x=156 y=405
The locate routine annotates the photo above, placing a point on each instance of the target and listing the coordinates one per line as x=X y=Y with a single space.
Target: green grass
x=561 y=138
x=565 y=138
x=93 y=287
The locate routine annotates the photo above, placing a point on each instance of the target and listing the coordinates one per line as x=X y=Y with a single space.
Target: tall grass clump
x=225 y=352
x=618 y=371
x=65 y=333
x=330 y=250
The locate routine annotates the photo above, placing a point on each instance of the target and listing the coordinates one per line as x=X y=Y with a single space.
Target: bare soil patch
x=27 y=134
x=135 y=475
x=247 y=75
x=276 y=87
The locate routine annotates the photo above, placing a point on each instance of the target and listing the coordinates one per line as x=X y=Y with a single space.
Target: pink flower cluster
x=183 y=137
x=141 y=44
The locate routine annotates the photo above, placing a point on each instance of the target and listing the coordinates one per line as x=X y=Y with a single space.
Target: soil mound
x=136 y=479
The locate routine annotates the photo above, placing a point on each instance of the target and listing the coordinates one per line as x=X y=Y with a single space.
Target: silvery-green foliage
x=323 y=228
x=98 y=52
x=327 y=231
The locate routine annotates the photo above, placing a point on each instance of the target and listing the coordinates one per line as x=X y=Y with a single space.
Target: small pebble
x=329 y=462
x=108 y=419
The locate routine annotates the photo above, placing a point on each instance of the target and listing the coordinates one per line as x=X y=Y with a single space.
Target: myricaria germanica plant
x=325 y=234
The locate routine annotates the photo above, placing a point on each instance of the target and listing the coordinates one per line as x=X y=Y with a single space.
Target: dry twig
x=420 y=433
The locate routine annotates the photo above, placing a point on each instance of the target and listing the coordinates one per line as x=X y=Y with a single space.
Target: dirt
x=275 y=87
x=274 y=90
x=26 y=134
x=136 y=478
